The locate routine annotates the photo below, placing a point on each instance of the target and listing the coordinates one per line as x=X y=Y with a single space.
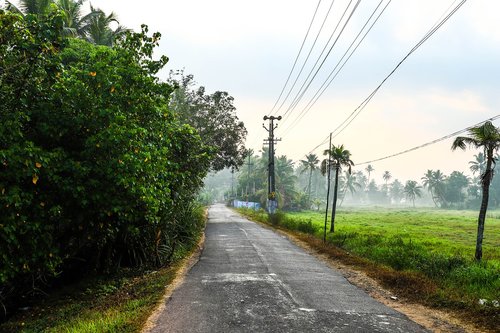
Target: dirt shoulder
x=185 y=266
x=432 y=319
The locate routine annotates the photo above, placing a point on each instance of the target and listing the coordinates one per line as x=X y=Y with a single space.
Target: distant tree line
x=98 y=170
x=305 y=187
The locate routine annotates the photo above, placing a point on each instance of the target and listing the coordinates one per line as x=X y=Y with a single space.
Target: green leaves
x=93 y=164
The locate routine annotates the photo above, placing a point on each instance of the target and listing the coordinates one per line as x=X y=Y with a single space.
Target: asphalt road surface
x=250 y=279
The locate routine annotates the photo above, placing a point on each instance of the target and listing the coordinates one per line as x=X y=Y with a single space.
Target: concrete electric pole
x=272 y=202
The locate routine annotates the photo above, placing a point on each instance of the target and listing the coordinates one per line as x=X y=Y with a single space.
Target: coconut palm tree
x=386 y=176
x=285 y=181
x=412 y=190
x=351 y=185
x=339 y=157
x=35 y=7
x=94 y=27
x=478 y=165
x=435 y=181
x=487 y=137
x=75 y=23
x=309 y=164
x=99 y=31
x=369 y=169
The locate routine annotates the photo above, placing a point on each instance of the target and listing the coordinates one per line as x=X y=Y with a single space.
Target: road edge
x=185 y=266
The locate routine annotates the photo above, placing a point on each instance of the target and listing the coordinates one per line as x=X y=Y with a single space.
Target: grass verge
x=121 y=302
x=416 y=254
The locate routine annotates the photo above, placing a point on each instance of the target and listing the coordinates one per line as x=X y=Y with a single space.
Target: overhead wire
x=297 y=57
x=367 y=100
x=307 y=57
x=443 y=19
x=327 y=82
x=430 y=142
x=307 y=82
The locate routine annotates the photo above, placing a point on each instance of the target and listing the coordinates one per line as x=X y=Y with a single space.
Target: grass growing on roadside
x=425 y=254
x=117 y=303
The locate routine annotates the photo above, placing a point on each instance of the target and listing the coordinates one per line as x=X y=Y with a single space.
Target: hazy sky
x=248 y=48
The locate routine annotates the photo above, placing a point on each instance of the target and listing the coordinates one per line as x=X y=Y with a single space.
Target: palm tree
x=478 y=164
x=369 y=169
x=351 y=185
x=94 y=27
x=339 y=157
x=412 y=190
x=285 y=181
x=396 y=190
x=487 y=137
x=427 y=181
x=309 y=164
x=35 y=7
x=75 y=24
x=435 y=182
x=99 y=31
x=387 y=176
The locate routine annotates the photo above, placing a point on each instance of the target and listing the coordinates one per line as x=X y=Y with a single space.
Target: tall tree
x=386 y=176
x=75 y=23
x=285 y=181
x=95 y=27
x=486 y=137
x=455 y=189
x=435 y=181
x=309 y=165
x=214 y=117
x=99 y=29
x=351 y=185
x=478 y=165
x=396 y=191
x=35 y=7
x=339 y=157
x=412 y=190
x=369 y=169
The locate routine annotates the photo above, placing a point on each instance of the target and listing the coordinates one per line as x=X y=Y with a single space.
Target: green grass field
x=448 y=232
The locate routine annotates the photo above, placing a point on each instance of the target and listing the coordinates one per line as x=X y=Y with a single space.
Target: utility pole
x=249 y=164
x=271 y=184
x=328 y=189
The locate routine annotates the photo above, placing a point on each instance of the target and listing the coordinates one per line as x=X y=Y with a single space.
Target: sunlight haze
x=248 y=49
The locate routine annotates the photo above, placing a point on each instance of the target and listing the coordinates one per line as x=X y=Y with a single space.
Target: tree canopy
x=214 y=117
x=96 y=171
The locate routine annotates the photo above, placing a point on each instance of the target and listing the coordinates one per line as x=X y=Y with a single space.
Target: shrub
x=95 y=171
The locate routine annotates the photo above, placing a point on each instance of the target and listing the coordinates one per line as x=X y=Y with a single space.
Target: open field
x=450 y=232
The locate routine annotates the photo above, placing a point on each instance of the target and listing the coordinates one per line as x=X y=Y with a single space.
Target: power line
x=431 y=142
x=363 y=104
x=303 y=90
x=295 y=62
x=307 y=57
x=297 y=58
x=330 y=78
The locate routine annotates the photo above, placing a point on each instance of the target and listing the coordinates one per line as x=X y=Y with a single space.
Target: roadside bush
x=95 y=171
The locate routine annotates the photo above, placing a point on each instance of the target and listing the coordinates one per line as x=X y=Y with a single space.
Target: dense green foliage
x=214 y=117
x=96 y=171
x=117 y=302
x=93 y=27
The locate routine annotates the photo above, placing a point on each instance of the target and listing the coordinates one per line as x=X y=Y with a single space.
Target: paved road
x=250 y=279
